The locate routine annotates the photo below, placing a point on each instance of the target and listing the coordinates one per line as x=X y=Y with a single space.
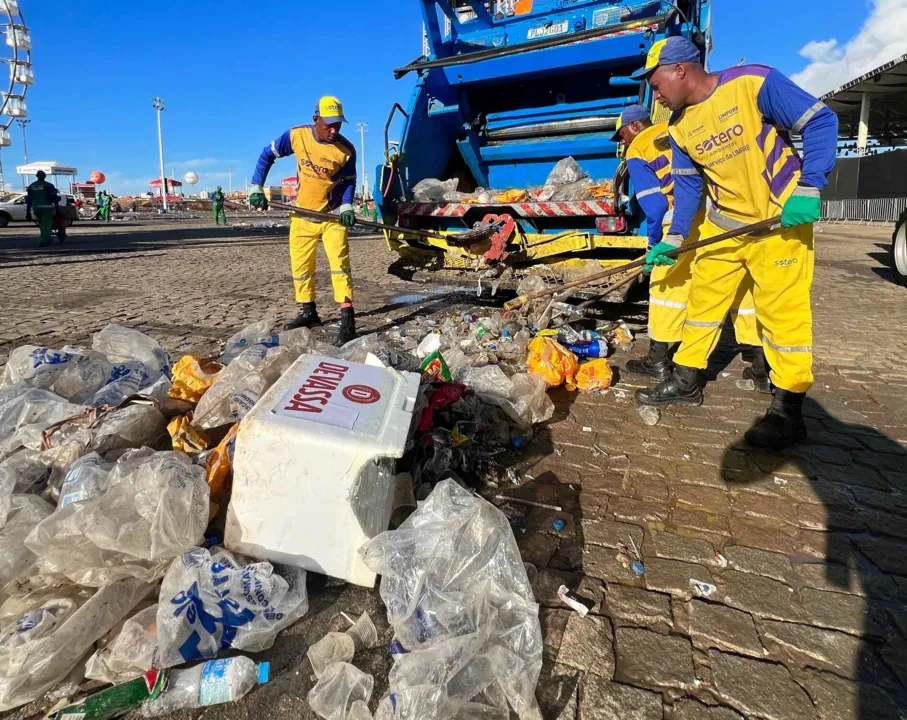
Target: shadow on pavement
x=860 y=476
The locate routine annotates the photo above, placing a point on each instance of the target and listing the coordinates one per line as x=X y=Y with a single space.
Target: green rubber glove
x=657 y=257
x=803 y=208
x=348 y=218
x=257 y=198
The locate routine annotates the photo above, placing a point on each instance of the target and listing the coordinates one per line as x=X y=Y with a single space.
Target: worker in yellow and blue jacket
x=648 y=159
x=731 y=135
x=327 y=180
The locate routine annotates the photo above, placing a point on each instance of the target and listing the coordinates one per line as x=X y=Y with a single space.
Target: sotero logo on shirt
x=304 y=162
x=729 y=113
x=696 y=131
x=719 y=139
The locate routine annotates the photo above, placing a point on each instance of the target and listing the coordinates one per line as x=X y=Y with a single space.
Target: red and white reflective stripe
x=532 y=210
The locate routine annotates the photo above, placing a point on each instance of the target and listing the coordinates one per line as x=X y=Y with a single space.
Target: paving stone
x=839 y=699
x=838 y=611
x=637 y=607
x=887 y=524
x=698 y=497
x=831 y=577
x=673 y=576
x=757 y=595
x=652 y=489
x=624 y=508
x=889 y=556
x=604 y=700
x=757 y=688
x=755 y=533
x=721 y=627
x=820 y=517
x=764 y=507
x=700 y=520
x=602 y=563
x=558 y=691
x=537 y=548
x=611 y=534
x=677 y=547
x=758 y=562
x=653 y=660
x=833 y=547
x=809 y=646
x=687 y=709
x=554 y=625
x=587 y=645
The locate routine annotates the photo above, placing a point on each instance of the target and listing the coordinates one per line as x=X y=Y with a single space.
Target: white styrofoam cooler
x=309 y=487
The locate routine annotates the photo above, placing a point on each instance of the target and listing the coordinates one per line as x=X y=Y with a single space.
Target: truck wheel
x=4 y=219
x=899 y=251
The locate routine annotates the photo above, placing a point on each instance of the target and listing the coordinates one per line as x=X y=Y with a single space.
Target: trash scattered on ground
x=650 y=415
x=566 y=597
x=338 y=689
x=117 y=700
x=746 y=385
x=466 y=625
x=702 y=589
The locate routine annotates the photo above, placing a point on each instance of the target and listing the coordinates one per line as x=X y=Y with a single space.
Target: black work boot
x=347 y=331
x=656 y=365
x=682 y=388
x=759 y=371
x=307 y=318
x=783 y=425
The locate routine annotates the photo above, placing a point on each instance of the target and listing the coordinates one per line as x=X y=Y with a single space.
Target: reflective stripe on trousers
x=304 y=237
x=780 y=264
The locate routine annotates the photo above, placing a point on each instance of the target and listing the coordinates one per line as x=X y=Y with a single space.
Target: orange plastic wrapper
x=552 y=362
x=601 y=192
x=512 y=196
x=185 y=437
x=594 y=375
x=220 y=465
x=192 y=377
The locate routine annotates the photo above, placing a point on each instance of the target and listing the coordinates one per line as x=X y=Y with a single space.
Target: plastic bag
x=185 y=437
x=133 y=651
x=257 y=333
x=594 y=375
x=359 y=711
x=551 y=361
x=219 y=465
x=434 y=368
x=567 y=171
x=25 y=412
x=338 y=688
x=192 y=377
x=156 y=508
x=70 y=373
x=523 y=397
x=53 y=631
x=572 y=192
x=126 y=379
x=512 y=196
x=86 y=478
x=461 y=606
x=432 y=190
x=210 y=602
x=16 y=560
x=240 y=386
x=134 y=426
x=122 y=345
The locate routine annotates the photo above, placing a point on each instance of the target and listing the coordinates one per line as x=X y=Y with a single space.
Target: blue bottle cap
x=638 y=567
x=517 y=442
x=559 y=525
x=264 y=673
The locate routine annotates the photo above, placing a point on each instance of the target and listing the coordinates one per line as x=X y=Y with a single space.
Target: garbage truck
x=510 y=125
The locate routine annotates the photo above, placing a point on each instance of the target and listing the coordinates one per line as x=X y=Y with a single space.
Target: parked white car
x=13 y=209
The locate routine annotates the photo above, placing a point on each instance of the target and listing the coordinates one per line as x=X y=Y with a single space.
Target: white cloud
x=882 y=38
x=195 y=164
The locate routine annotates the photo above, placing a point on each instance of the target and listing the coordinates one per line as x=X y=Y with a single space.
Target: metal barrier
x=879 y=210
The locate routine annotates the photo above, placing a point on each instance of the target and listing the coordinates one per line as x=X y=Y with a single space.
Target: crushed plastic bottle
x=746 y=385
x=212 y=683
x=650 y=415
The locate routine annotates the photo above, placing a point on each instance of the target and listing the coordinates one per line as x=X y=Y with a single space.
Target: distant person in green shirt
x=42 y=201
x=219 y=199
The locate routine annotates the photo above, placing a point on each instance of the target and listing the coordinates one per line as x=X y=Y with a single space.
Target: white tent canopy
x=51 y=168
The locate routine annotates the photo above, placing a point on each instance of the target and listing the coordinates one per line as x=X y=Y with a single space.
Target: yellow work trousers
x=304 y=237
x=780 y=265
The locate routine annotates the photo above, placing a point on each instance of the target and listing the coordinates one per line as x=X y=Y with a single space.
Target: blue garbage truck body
x=506 y=90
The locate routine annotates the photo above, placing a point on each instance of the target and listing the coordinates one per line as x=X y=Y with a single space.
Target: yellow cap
x=330 y=109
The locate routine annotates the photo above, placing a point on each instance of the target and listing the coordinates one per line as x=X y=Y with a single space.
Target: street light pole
x=362 y=127
x=230 y=179
x=24 y=124
x=159 y=107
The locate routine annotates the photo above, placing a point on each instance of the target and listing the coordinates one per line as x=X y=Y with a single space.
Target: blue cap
x=670 y=51
x=264 y=673
x=631 y=114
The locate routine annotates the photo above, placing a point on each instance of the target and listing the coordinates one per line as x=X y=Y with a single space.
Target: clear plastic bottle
x=650 y=415
x=212 y=683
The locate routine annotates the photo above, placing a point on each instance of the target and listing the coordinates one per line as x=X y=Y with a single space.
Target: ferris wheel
x=16 y=54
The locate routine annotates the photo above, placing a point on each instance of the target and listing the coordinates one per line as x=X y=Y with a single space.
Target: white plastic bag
x=523 y=397
x=86 y=478
x=567 y=171
x=47 y=633
x=122 y=345
x=156 y=508
x=25 y=412
x=16 y=560
x=461 y=606
x=134 y=426
x=433 y=190
x=258 y=333
x=211 y=602
x=125 y=380
x=70 y=373
x=133 y=651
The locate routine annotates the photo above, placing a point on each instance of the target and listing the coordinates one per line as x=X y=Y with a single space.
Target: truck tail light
x=610 y=224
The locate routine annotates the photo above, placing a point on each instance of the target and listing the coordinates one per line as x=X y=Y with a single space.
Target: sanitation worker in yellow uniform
x=327 y=180
x=730 y=132
x=649 y=162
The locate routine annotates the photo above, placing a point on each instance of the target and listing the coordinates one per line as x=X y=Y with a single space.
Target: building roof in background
x=887 y=86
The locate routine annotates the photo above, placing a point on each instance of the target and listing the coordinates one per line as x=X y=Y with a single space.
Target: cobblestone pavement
x=775 y=585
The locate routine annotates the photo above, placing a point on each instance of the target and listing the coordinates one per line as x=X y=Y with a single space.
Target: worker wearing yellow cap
x=649 y=162
x=327 y=180
x=730 y=133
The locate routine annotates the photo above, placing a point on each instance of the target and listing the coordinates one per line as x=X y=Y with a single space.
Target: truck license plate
x=549 y=30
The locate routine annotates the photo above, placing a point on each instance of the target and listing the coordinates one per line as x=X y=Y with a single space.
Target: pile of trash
x=115 y=476
x=567 y=182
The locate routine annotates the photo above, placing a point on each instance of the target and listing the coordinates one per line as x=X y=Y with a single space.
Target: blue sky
x=236 y=74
